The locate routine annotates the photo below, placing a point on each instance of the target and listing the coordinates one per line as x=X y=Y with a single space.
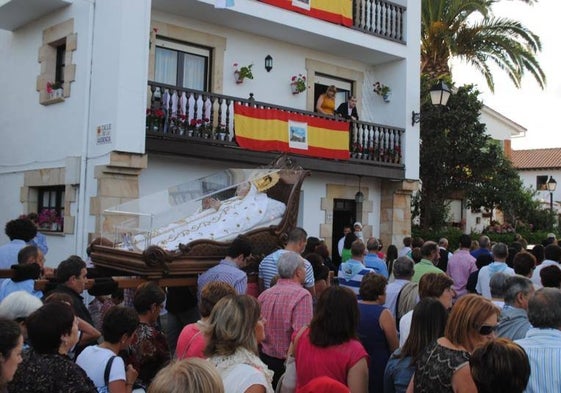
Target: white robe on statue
x=235 y=216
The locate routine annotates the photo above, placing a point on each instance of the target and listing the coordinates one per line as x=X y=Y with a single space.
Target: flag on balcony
x=264 y=129
x=335 y=11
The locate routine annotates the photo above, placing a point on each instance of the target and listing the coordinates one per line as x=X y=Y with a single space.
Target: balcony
x=377 y=34
x=201 y=124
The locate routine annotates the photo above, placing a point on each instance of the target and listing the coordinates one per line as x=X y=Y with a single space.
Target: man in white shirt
x=552 y=254
x=500 y=253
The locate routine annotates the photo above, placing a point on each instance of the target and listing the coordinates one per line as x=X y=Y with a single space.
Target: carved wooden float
x=197 y=256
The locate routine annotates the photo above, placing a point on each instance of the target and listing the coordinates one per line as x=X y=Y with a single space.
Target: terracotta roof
x=536 y=158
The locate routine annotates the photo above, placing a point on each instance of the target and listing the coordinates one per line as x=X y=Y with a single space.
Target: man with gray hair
x=286 y=307
x=372 y=260
x=500 y=253
x=484 y=245
x=513 y=321
x=403 y=270
x=543 y=342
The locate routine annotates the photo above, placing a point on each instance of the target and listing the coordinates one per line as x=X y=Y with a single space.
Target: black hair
x=70 y=267
x=46 y=325
x=146 y=295
x=26 y=253
x=117 y=322
x=21 y=229
x=240 y=245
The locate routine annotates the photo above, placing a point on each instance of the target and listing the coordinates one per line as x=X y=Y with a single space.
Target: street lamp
x=439 y=95
x=551 y=186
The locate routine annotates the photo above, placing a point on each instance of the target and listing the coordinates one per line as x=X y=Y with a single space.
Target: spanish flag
x=335 y=11
x=276 y=130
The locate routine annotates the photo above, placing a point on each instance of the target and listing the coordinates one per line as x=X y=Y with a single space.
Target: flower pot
x=56 y=93
x=387 y=97
x=238 y=78
x=189 y=132
x=54 y=226
x=294 y=88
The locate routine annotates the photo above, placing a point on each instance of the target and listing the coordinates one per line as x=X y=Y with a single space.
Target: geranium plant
x=298 y=83
x=381 y=89
x=53 y=86
x=243 y=72
x=49 y=219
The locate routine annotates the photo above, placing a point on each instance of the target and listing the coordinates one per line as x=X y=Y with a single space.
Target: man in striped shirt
x=352 y=271
x=268 y=266
x=286 y=307
x=543 y=342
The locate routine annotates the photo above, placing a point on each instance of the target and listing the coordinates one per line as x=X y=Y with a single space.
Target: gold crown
x=265 y=182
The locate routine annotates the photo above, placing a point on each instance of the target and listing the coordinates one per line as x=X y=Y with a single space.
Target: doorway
x=344 y=213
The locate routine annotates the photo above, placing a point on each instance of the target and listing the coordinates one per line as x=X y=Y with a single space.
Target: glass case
x=216 y=207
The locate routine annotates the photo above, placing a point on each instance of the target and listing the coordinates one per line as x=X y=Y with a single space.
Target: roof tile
x=536 y=158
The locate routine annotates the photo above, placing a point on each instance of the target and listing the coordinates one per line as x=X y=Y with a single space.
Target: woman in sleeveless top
x=376 y=329
x=326 y=102
x=443 y=366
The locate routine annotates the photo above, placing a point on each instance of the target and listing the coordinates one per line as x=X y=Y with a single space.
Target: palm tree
x=468 y=30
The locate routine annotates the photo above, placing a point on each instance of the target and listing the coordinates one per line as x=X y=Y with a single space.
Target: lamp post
x=551 y=186
x=439 y=95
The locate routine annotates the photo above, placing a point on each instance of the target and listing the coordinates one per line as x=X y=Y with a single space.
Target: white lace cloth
x=241 y=370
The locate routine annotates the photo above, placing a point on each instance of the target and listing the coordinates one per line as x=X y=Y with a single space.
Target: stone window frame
x=54 y=36
x=314 y=67
x=50 y=177
x=216 y=43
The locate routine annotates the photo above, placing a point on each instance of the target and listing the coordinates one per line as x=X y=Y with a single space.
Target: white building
x=91 y=147
x=501 y=129
x=536 y=167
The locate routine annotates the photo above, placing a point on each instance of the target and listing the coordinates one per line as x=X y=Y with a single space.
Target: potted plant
x=242 y=72
x=54 y=90
x=48 y=219
x=383 y=90
x=220 y=132
x=154 y=119
x=298 y=84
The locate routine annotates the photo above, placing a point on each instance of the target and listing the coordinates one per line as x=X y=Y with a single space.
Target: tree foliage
x=468 y=30
x=459 y=160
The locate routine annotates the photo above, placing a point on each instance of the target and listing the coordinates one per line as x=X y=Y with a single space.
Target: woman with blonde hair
x=443 y=366
x=192 y=375
x=233 y=334
x=326 y=101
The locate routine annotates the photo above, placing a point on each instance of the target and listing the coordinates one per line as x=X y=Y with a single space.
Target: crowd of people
x=420 y=319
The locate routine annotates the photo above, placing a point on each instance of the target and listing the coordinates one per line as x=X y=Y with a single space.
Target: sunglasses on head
x=486 y=330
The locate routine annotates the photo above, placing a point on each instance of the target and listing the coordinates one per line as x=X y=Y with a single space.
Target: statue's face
x=243 y=190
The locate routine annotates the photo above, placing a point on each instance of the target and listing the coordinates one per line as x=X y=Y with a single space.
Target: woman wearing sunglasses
x=443 y=367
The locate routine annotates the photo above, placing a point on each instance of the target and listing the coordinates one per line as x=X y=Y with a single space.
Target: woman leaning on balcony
x=326 y=102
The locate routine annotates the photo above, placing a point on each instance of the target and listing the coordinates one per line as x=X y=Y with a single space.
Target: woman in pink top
x=330 y=346
x=191 y=342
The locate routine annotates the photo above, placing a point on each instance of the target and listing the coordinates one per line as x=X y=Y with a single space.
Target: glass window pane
x=166 y=66
x=194 y=72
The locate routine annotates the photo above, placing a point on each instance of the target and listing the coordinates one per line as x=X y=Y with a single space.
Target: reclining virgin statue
x=219 y=216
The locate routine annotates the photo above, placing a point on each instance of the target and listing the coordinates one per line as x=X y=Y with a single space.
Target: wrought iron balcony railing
x=209 y=118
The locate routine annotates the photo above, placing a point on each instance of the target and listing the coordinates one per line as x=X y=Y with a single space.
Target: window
x=182 y=65
x=541 y=183
x=59 y=67
x=344 y=88
x=50 y=208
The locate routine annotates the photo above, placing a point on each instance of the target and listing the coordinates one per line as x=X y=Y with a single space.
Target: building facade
x=112 y=100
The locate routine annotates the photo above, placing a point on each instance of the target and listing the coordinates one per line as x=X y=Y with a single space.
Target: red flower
x=193 y=122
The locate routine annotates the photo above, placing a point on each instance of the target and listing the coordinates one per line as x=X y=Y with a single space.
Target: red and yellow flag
x=335 y=11
x=275 y=130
